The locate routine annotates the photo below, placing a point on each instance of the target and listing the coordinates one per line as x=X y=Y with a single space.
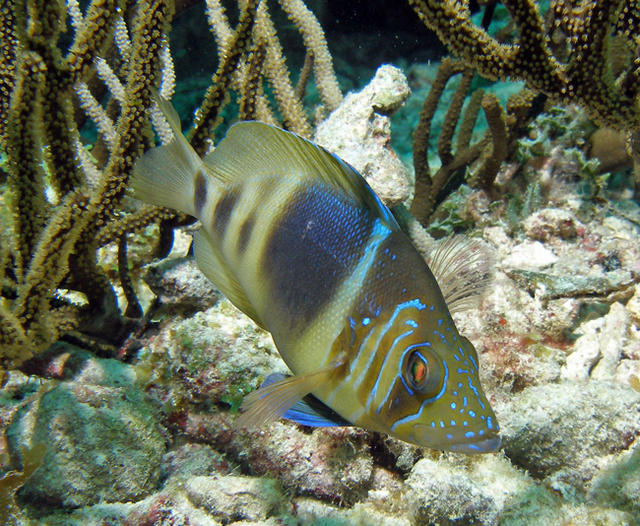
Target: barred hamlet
x=297 y=240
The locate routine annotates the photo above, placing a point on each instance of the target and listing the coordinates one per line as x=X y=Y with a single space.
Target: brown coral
x=582 y=73
x=65 y=202
x=482 y=159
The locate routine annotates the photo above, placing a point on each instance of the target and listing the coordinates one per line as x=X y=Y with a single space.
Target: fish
x=296 y=239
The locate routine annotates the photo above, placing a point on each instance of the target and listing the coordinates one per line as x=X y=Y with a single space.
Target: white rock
x=530 y=255
x=633 y=305
x=626 y=370
x=359 y=131
x=568 y=428
x=622 y=228
x=498 y=237
x=465 y=494
x=597 y=352
x=235 y=497
x=612 y=341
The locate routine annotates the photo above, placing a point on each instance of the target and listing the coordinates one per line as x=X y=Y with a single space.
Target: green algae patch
x=103 y=444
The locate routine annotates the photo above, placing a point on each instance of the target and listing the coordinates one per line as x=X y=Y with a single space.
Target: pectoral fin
x=309 y=411
x=273 y=400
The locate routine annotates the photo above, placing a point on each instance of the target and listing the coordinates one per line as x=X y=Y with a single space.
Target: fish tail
x=170 y=175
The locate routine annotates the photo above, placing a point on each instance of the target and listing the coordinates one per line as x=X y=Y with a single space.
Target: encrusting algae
x=297 y=240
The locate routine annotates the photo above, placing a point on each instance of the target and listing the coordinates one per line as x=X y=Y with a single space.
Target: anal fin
x=313 y=413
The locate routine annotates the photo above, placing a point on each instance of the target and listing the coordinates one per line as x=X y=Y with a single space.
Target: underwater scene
x=315 y=262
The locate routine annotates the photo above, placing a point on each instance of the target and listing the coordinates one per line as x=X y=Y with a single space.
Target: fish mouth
x=434 y=439
x=483 y=446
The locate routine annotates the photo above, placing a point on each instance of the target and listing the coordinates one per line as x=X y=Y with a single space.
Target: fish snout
x=487 y=445
x=457 y=439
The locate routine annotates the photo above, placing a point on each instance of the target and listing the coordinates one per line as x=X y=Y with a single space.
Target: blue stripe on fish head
x=436 y=400
x=414 y=375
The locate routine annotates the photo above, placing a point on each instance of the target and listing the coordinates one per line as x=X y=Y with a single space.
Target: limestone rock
x=233 y=497
x=463 y=492
x=530 y=255
x=566 y=427
x=103 y=444
x=359 y=132
x=597 y=352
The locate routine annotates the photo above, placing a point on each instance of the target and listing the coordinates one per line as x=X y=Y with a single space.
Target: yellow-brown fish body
x=297 y=240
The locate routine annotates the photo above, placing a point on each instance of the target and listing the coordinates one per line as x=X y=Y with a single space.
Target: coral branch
x=293 y=116
x=482 y=159
x=8 y=50
x=314 y=41
x=26 y=178
x=585 y=77
x=216 y=95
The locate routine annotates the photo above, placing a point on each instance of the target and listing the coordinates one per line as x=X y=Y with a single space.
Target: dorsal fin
x=462 y=267
x=258 y=149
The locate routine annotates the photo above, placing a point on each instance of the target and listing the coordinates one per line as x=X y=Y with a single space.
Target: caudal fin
x=164 y=176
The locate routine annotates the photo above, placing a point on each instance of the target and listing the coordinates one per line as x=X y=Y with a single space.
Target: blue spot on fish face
x=416 y=388
x=433 y=423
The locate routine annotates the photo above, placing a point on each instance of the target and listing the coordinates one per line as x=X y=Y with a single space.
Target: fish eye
x=422 y=371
